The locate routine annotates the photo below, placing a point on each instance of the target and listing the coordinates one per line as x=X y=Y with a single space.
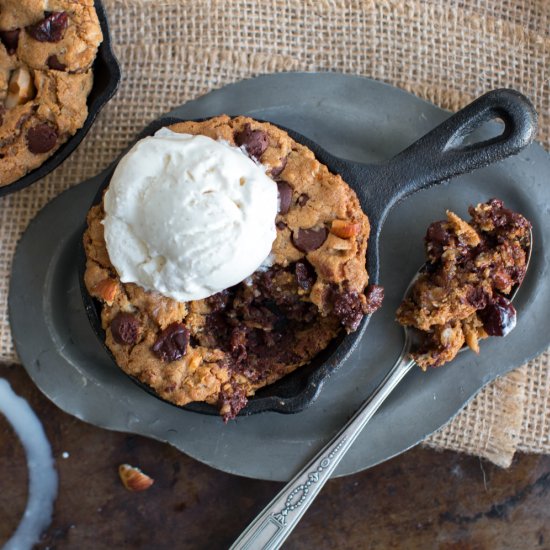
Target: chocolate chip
x=348 y=308
x=438 y=234
x=499 y=317
x=302 y=199
x=54 y=63
x=476 y=297
x=2 y=111
x=171 y=343
x=10 y=39
x=281 y=225
x=232 y=401
x=254 y=141
x=305 y=275
x=437 y=237
x=41 y=138
x=503 y=217
x=276 y=172
x=125 y=328
x=51 y=28
x=285 y=196
x=374 y=295
x=307 y=240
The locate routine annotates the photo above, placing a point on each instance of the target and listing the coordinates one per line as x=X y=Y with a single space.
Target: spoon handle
x=277 y=520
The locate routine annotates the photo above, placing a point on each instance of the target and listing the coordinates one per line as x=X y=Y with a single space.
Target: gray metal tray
x=351 y=117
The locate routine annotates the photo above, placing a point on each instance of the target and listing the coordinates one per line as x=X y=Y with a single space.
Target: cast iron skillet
x=436 y=157
x=106 y=80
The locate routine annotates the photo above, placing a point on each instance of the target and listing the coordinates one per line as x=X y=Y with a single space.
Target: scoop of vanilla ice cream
x=188 y=216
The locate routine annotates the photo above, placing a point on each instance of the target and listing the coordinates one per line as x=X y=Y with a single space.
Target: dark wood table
x=422 y=499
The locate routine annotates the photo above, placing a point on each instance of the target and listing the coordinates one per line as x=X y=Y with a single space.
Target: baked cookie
x=221 y=349
x=46 y=54
x=471 y=267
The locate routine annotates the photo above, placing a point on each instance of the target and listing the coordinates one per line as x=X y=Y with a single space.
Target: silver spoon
x=277 y=520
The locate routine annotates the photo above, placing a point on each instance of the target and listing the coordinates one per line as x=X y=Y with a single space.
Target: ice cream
x=188 y=216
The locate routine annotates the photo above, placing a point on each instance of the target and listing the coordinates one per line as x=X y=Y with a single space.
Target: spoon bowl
x=413 y=335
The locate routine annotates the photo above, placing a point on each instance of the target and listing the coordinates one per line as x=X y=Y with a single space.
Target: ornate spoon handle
x=277 y=520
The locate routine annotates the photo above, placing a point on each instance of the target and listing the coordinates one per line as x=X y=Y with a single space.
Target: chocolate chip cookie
x=471 y=268
x=46 y=57
x=223 y=348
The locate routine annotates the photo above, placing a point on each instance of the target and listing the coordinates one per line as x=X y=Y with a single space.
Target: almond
x=20 y=88
x=106 y=290
x=344 y=229
x=133 y=478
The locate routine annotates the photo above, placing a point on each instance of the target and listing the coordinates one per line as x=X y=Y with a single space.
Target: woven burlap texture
x=446 y=51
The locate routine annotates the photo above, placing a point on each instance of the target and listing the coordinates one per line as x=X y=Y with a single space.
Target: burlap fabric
x=446 y=51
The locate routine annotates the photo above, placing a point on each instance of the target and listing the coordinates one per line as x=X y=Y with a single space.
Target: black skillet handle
x=441 y=153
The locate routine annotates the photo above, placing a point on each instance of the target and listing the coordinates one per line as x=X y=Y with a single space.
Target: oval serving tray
x=351 y=117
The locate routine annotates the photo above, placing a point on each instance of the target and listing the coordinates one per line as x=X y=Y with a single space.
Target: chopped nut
x=340 y=244
x=344 y=229
x=133 y=478
x=471 y=337
x=20 y=88
x=106 y=290
x=464 y=230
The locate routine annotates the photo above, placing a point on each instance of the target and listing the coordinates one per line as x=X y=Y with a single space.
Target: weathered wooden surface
x=422 y=499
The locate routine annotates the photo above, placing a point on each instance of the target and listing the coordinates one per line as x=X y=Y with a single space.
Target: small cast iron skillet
x=436 y=157
x=106 y=80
